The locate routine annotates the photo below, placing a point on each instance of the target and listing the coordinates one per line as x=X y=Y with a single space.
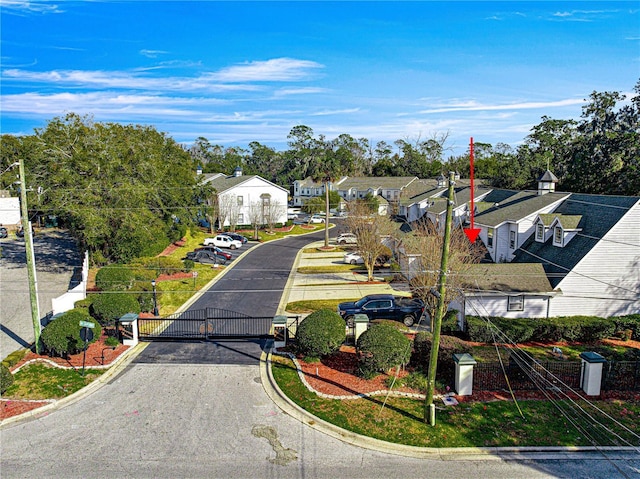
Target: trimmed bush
x=109 y=307
x=188 y=265
x=6 y=378
x=380 y=348
x=321 y=333
x=449 y=345
x=62 y=336
x=114 y=278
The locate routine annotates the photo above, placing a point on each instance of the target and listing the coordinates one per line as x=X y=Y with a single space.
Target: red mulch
x=94 y=357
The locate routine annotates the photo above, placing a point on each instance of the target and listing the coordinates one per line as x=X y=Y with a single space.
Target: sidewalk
x=338 y=285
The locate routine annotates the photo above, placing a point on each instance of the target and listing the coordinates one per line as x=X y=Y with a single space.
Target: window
x=240 y=218
x=539 y=232
x=512 y=239
x=240 y=200
x=515 y=303
x=557 y=235
x=490 y=237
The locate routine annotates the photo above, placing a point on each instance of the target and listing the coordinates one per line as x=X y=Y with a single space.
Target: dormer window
x=540 y=233
x=557 y=236
x=512 y=239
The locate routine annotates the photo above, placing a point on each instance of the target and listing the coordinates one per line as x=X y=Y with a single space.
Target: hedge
x=566 y=328
x=62 y=335
x=114 y=278
x=380 y=348
x=109 y=307
x=321 y=333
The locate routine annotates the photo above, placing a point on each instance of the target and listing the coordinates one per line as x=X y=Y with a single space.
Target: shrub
x=449 y=345
x=161 y=265
x=114 y=278
x=62 y=336
x=321 y=333
x=6 y=378
x=450 y=324
x=83 y=303
x=187 y=265
x=109 y=307
x=382 y=347
x=15 y=357
x=628 y=323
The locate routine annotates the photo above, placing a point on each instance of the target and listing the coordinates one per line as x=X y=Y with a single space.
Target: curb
x=287 y=406
x=119 y=365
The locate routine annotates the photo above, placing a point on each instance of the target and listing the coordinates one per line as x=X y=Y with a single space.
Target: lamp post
x=155 y=298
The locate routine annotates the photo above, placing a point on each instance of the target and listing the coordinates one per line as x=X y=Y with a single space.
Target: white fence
x=67 y=300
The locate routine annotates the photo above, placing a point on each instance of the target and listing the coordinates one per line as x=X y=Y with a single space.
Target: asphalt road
x=180 y=418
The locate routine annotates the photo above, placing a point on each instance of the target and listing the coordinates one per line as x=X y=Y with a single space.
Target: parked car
x=237 y=236
x=383 y=306
x=223 y=241
x=353 y=258
x=316 y=219
x=3 y=232
x=346 y=238
x=209 y=254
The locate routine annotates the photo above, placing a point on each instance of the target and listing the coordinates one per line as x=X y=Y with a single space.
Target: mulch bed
x=98 y=355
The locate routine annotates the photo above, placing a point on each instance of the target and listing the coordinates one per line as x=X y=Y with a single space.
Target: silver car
x=347 y=238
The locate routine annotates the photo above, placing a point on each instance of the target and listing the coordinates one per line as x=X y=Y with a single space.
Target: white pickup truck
x=223 y=241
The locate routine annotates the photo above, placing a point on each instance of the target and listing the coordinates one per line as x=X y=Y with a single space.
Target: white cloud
x=21 y=7
x=472 y=105
x=277 y=69
x=335 y=112
x=152 y=53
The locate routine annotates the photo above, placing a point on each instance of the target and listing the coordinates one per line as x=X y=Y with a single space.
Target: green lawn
x=493 y=424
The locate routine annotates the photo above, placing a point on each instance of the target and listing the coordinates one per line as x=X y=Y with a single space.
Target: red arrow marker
x=472 y=233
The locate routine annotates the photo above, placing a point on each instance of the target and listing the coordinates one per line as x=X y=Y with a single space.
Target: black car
x=3 y=232
x=209 y=254
x=237 y=237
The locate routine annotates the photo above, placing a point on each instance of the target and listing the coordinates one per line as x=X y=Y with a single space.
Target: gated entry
x=208 y=323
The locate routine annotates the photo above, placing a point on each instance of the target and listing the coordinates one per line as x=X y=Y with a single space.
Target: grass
x=309 y=306
x=570 y=352
x=37 y=381
x=400 y=420
x=174 y=293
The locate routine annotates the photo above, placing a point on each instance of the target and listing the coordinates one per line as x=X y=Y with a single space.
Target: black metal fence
x=526 y=376
x=616 y=375
x=207 y=323
x=621 y=376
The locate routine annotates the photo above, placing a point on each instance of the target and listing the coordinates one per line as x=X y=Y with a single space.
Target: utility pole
x=429 y=406
x=31 y=263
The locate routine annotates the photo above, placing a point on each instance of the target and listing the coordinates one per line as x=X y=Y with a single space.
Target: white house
x=240 y=198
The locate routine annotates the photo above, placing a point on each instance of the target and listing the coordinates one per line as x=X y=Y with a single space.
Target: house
x=589 y=247
x=242 y=198
x=552 y=254
x=354 y=188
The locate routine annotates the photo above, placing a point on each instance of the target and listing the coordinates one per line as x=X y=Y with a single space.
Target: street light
x=155 y=298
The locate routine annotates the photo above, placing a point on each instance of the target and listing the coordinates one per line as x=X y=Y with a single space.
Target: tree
x=123 y=190
x=426 y=242
x=254 y=216
x=371 y=231
x=272 y=211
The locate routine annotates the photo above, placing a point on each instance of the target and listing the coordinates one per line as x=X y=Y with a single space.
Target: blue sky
x=236 y=72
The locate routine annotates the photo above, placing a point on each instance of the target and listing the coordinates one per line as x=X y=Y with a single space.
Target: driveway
x=57 y=265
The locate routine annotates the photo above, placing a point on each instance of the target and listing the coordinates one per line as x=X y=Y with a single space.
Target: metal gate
x=204 y=324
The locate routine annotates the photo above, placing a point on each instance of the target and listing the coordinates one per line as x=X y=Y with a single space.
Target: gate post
x=591 y=375
x=361 y=324
x=279 y=324
x=129 y=323
x=464 y=373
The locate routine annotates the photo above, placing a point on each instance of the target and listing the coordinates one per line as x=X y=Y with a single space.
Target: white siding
x=607 y=280
x=534 y=307
x=251 y=191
